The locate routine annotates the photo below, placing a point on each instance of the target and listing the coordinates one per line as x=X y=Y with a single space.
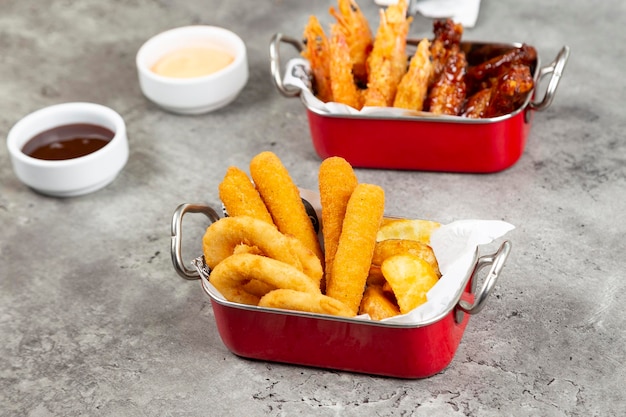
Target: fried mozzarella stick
x=413 y=88
x=337 y=181
x=353 y=258
x=240 y=197
x=282 y=198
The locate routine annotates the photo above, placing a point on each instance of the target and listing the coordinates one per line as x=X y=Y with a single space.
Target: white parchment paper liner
x=455 y=246
x=296 y=75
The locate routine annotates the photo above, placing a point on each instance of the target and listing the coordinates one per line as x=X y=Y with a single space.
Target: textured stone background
x=94 y=320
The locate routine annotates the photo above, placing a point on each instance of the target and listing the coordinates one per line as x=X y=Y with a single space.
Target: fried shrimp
x=413 y=87
x=387 y=62
x=317 y=52
x=282 y=198
x=302 y=301
x=342 y=81
x=337 y=181
x=227 y=235
x=230 y=276
x=358 y=34
x=240 y=197
x=350 y=268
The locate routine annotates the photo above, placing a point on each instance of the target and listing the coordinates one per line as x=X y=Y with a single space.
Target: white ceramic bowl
x=69 y=177
x=198 y=94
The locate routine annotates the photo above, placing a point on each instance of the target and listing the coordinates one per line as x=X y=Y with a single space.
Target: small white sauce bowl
x=69 y=177
x=195 y=95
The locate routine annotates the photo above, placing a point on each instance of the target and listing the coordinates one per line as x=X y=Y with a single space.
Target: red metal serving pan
x=421 y=141
x=378 y=348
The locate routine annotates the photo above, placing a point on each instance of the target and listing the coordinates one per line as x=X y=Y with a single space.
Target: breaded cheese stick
x=240 y=197
x=337 y=181
x=364 y=214
x=282 y=198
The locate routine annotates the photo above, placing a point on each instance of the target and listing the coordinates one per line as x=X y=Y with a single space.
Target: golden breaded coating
x=317 y=52
x=413 y=87
x=350 y=269
x=301 y=301
x=387 y=62
x=240 y=197
x=356 y=29
x=282 y=198
x=311 y=264
x=230 y=275
x=337 y=181
x=342 y=79
x=244 y=234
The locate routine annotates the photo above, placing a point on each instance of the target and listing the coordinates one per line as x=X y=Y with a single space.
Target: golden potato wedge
x=412 y=229
x=377 y=304
x=389 y=247
x=410 y=278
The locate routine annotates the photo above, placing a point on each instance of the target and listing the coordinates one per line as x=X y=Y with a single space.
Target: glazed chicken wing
x=447 y=94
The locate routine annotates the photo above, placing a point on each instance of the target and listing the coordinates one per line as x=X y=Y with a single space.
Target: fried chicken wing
x=493 y=67
x=447 y=33
x=447 y=94
x=510 y=91
x=478 y=104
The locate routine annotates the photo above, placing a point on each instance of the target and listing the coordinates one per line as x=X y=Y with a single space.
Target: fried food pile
x=266 y=252
x=354 y=67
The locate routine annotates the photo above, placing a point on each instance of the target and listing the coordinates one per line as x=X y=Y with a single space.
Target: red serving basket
x=348 y=344
x=422 y=141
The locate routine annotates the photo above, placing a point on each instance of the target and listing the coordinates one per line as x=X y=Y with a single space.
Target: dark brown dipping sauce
x=68 y=141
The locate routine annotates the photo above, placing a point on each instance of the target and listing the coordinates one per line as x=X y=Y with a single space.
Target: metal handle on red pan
x=177 y=236
x=556 y=69
x=275 y=65
x=496 y=261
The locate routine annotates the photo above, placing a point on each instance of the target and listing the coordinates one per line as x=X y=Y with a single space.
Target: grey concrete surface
x=95 y=321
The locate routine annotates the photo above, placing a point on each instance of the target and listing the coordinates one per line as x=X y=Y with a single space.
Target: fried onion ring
x=230 y=276
x=225 y=235
x=300 y=301
x=311 y=264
